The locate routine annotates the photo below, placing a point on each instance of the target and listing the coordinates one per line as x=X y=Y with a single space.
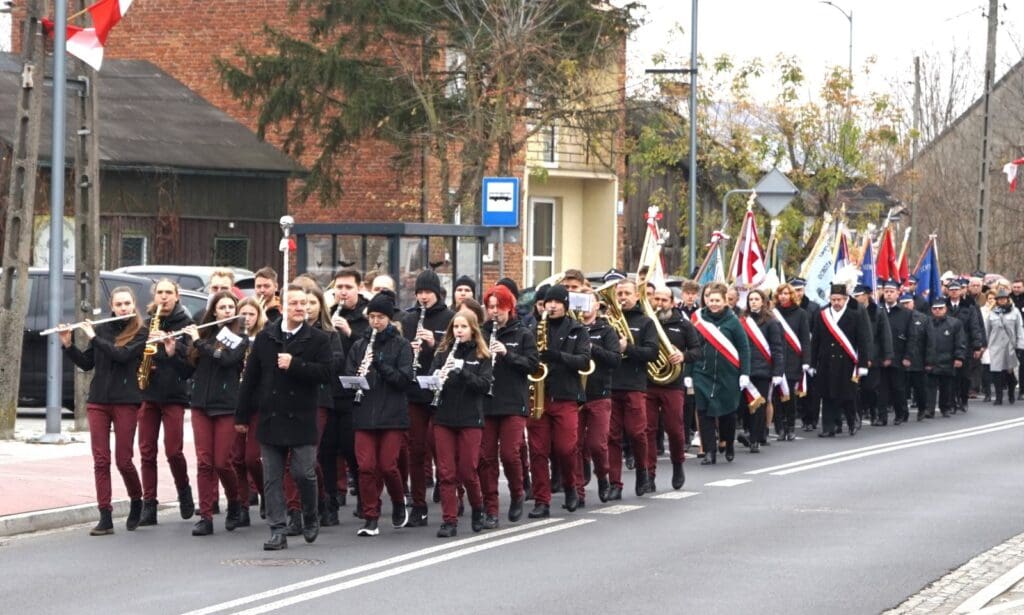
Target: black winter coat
x=683 y=335
x=216 y=375
x=386 y=404
x=357 y=321
x=332 y=389
x=917 y=342
x=881 y=334
x=970 y=318
x=167 y=384
x=510 y=395
x=568 y=353
x=285 y=399
x=631 y=374
x=835 y=369
x=114 y=367
x=465 y=390
x=901 y=330
x=604 y=350
x=436 y=320
x=945 y=342
x=761 y=367
x=800 y=323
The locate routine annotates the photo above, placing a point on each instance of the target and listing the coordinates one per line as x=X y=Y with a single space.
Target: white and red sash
x=714 y=336
x=840 y=336
x=794 y=343
x=757 y=337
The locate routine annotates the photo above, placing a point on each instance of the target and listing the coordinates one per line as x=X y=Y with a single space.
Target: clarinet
x=443 y=375
x=364 y=366
x=494 y=357
x=416 y=353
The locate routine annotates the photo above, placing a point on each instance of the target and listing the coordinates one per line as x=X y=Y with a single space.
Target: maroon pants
x=246 y=457
x=668 y=402
x=457 y=451
x=123 y=417
x=594 y=418
x=291 y=490
x=377 y=454
x=172 y=417
x=215 y=443
x=417 y=439
x=504 y=434
x=553 y=436
x=629 y=411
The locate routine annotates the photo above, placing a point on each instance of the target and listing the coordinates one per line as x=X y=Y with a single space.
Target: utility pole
x=19 y=219
x=981 y=256
x=914 y=143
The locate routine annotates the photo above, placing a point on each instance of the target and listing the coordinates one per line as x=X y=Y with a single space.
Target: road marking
x=618 y=509
x=341 y=574
x=992 y=591
x=675 y=495
x=728 y=482
x=772 y=469
x=890 y=449
x=437 y=559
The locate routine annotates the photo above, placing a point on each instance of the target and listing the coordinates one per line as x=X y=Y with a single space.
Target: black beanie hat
x=428 y=280
x=558 y=293
x=540 y=293
x=510 y=284
x=465 y=280
x=382 y=303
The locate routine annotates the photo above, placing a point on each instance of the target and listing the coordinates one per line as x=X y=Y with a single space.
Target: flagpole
x=903 y=248
x=79 y=14
x=716 y=237
x=806 y=265
x=920 y=259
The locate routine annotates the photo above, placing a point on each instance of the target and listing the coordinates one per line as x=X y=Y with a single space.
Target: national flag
x=929 y=283
x=819 y=268
x=868 y=276
x=842 y=252
x=712 y=269
x=86 y=44
x=1010 y=168
x=748 y=261
x=886 y=266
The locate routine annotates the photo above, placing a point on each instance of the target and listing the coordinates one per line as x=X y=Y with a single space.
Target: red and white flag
x=749 y=268
x=1010 y=168
x=86 y=44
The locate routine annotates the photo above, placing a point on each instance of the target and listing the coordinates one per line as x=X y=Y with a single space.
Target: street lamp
x=849 y=18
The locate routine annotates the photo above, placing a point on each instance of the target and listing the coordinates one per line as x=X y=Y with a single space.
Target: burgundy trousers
x=377 y=454
x=418 y=441
x=629 y=410
x=215 y=443
x=172 y=416
x=553 y=436
x=246 y=458
x=594 y=418
x=668 y=403
x=457 y=451
x=503 y=436
x=291 y=490
x=123 y=418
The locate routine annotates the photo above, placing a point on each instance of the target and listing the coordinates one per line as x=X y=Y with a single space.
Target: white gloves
x=807 y=368
x=776 y=381
x=810 y=371
x=862 y=371
x=744 y=381
x=688 y=382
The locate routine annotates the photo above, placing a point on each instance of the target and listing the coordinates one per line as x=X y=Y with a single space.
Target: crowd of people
x=300 y=398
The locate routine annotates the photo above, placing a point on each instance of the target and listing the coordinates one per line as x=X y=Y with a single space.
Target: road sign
x=775 y=192
x=500 y=201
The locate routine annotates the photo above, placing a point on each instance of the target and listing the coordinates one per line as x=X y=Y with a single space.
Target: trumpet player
x=381 y=417
x=513 y=349
x=629 y=386
x=163 y=403
x=554 y=434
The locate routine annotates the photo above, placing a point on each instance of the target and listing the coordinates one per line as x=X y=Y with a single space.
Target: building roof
x=149 y=120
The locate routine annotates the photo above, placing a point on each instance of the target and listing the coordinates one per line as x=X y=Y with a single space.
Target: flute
x=182 y=331
x=81 y=323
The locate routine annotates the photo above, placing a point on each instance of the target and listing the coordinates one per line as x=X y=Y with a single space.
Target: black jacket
x=435 y=320
x=386 y=404
x=167 y=384
x=901 y=330
x=800 y=323
x=946 y=342
x=970 y=317
x=216 y=375
x=465 y=390
x=917 y=342
x=568 y=353
x=511 y=389
x=285 y=399
x=683 y=335
x=881 y=334
x=332 y=389
x=114 y=367
x=835 y=369
x=357 y=321
x=604 y=350
x=760 y=367
x=631 y=374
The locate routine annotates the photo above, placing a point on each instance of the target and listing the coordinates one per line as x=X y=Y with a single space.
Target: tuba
x=146 y=365
x=537 y=377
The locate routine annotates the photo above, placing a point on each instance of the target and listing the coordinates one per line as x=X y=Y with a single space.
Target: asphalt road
x=845 y=525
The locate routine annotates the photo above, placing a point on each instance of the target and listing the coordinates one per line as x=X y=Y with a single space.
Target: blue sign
x=500 y=201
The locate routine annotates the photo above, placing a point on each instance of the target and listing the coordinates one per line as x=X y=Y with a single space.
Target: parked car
x=190 y=277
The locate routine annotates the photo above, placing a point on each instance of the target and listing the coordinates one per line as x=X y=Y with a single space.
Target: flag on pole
x=842 y=251
x=929 y=284
x=819 y=267
x=868 y=277
x=1010 y=168
x=886 y=266
x=86 y=44
x=713 y=267
x=749 y=266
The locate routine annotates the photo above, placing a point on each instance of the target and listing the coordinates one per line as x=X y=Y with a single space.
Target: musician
x=246 y=453
x=423 y=326
x=554 y=434
x=796 y=335
x=113 y=355
x=214 y=362
x=164 y=403
x=881 y=353
x=574 y=281
x=893 y=389
x=629 y=385
x=767 y=362
x=463 y=364
x=721 y=373
x=595 y=414
x=265 y=287
x=946 y=350
x=840 y=345
x=381 y=417
x=463 y=288
x=281 y=382
x=809 y=405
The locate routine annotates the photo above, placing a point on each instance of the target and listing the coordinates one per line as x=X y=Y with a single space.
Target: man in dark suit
x=288 y=363
x=840 y=345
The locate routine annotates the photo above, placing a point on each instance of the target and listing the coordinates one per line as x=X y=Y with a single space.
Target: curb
x=57 y=518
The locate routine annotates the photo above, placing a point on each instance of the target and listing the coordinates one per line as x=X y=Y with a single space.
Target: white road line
x=618 y=509
x=992 y=591
x=772 y=469
x=334 y=576
x=728 y=482
x=438 y=559
x=675 y=495
x=890 y=449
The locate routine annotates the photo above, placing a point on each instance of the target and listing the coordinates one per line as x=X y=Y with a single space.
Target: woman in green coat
x=721 y=374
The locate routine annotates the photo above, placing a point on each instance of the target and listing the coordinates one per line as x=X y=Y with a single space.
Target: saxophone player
x=381 y=418
x=514 y=352
x=554 y=433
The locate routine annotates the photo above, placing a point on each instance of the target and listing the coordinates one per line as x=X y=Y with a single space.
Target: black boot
x=105 y=525
x=678 y=476
x=730 y=452
x=477 y=522
x=603 y=488
x=294 y=527
x=203 y=527
x=148 y=516
x=641 y=482
x=134 y=515
x=614 y=493
x=330 y=517
x=233 y=516
x=540 y=511
x=515 y=510
x=276 y=543
x=310 y=527
x=418 y=517
x=186 y=504
x=447 y=530
x=243 y=517
x=709 y=457
x=572 y=499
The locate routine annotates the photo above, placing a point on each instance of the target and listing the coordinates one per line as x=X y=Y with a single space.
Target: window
x=134 y=250
x=541 y=256
x=547 y=151
x=231 y=252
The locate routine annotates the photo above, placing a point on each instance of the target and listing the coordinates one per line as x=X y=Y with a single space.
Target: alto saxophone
x=537 y=378
x=364 y=366
x=146 y=365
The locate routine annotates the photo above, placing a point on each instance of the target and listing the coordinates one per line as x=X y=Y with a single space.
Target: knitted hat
x=382 y=303
x=465 y=280
x=428 y=280
x=510 y=284
x=558 y=293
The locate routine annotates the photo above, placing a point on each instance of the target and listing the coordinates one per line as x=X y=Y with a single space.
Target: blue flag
x=842 y=254
x=867 y=268
x=929 y=285
x=714 y=272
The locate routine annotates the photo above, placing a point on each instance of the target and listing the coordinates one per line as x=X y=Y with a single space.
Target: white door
x=540 y=258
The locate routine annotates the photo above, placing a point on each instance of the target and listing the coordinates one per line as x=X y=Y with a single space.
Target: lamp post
x=849 y=62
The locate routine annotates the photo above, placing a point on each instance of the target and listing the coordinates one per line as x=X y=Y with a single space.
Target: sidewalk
x=47 y=486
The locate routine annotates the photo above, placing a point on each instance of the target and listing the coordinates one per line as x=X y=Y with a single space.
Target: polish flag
x=749 y=268
x=1010 y=168
x=86 y=44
